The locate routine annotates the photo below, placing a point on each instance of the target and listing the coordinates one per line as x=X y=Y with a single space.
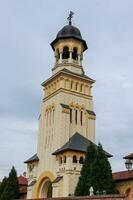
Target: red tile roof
x=22 y=180
x=130 y=156
x=123 y=175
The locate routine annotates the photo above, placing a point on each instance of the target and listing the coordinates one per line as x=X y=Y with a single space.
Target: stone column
x=79 y=59
x=78 y=87
x=70 y=56
x=55 y=55
x=86 y=89
x=60 y=61
x=74 y=85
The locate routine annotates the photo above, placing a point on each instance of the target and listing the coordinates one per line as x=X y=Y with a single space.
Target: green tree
x=102 y=174
x=11 y=190
x=3 y=185
x=84 y=182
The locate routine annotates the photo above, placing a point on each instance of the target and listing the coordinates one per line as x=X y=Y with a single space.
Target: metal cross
x=70 y=17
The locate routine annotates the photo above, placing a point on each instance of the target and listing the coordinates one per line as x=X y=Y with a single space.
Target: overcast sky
x=27 y=28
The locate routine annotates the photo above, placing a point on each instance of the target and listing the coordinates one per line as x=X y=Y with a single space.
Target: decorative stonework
x=70 y=82
x=77 y=106
x=49 y=108
x=65 y=110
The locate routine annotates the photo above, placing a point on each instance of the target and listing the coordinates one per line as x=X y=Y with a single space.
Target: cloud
x=18 y=142
x=27 y=28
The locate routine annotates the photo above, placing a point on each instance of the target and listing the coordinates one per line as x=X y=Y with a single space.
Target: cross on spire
x=70 y=17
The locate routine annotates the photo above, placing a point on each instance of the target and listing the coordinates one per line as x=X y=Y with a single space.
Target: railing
x=64 y=61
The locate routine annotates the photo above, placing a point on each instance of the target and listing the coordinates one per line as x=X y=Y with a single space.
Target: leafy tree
x=3 y=185
x=102 y=174
x=11 y=190
x=84 y=182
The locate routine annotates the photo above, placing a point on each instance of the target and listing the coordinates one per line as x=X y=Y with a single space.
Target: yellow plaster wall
x=124 y=186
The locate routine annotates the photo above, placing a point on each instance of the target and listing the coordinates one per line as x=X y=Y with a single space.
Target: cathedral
x=66 y=122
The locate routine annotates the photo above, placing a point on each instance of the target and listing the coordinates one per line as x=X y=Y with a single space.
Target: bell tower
x=66 y=122
x=68 y=49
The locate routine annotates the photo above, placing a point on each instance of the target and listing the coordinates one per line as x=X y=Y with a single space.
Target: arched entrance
x=43 y=187
x=46 y=190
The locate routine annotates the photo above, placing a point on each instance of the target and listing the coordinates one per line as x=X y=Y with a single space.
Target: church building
x=66 y=122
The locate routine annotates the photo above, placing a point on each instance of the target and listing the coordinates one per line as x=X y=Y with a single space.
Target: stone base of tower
x=49 y=186
x=66 y=185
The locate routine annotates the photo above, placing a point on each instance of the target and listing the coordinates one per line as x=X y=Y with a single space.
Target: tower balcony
x=73 y=65
x=68 y=60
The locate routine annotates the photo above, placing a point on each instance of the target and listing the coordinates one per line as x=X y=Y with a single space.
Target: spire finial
x=70 y=17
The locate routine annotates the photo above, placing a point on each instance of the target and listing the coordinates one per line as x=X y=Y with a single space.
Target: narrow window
x=74 y=159
x=50 y=118
x=64 y=159
x=46 y=141
x=60 y=160
x=81 y=160
x=76 y=113
x=47 y=118
x=81 y=117
x=49 y=140
x=70 y=115
x=53 y=116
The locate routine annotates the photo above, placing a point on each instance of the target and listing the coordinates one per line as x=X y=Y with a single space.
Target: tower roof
x=69 y=31
x=33 y=158
x=76 y=143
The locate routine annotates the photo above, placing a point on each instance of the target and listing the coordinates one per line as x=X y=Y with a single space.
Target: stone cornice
x=75 y=93
x=67 y=64
x=71 y=74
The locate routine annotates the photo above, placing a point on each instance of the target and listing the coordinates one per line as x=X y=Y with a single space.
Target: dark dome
x=69 y=31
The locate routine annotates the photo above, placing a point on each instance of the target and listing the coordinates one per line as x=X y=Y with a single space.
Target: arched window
x=81 y=88
x=75 y=53
x=60 y=160
x=64 y=159
x=81 y=117
x=70 y=115
x=76 y=116
x=31 y=167
x=65 y=54
x=74 y=159
x=53 y=115
x=81 y=160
